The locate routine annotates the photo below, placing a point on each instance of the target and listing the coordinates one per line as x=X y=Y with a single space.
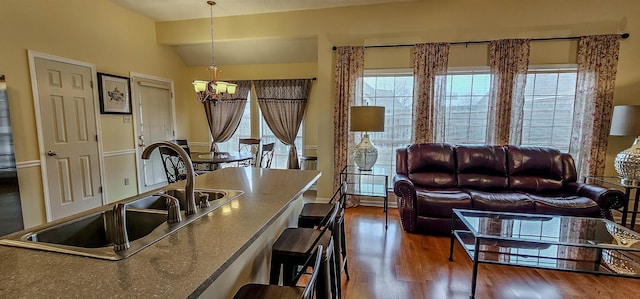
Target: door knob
x=51 y=153
x=141 y=141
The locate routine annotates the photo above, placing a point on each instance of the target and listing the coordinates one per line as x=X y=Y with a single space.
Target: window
x=548 y=107
x=467 y=106
x=243 y=131
x=394 y=91
x=281 y=151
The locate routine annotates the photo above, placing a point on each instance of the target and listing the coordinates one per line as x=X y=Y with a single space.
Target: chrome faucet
x=120 y=236
x=190 y=209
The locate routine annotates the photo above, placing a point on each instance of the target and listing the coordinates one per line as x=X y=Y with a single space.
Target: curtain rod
x=623 y=36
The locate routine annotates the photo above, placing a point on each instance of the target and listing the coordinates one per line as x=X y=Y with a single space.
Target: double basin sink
x=146 y=222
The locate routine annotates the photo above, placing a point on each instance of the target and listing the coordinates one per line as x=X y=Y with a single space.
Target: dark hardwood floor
x=396 y=264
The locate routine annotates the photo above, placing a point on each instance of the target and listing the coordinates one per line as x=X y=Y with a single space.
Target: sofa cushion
x=535 y=169
x=566 y=205
x=505 y=201
x=482 y=167
x=431 y=165
x=440 y=202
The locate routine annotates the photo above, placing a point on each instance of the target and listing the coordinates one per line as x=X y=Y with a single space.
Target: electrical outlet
x=126 y=181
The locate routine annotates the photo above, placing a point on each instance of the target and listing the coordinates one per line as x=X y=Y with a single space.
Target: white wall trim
x=27 y=164
x=311 y=147
x=120 y=153
x=203 y=144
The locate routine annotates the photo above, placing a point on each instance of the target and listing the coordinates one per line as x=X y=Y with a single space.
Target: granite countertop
x=182 y=264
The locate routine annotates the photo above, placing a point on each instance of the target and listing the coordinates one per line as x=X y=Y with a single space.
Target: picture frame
x=114 y=93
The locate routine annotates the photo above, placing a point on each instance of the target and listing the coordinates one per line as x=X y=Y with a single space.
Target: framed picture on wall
x=115 y=94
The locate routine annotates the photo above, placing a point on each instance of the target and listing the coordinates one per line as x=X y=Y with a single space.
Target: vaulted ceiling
x=240 y=51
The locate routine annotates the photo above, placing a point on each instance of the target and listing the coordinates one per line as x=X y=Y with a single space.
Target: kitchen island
x=211 y=257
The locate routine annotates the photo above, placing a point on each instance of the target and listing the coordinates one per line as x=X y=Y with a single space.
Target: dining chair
x=248 y=145
x=293 y=247
x=266 y=156
x=174 y=166
x=265 y=291
x=182 y=143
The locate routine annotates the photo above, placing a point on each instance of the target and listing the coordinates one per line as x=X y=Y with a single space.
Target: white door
x=154 y=122
x=68 y=133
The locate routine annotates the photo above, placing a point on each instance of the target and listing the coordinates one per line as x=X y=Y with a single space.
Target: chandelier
x=213 y=89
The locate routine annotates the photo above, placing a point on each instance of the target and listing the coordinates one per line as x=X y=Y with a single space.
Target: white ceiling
x=171 y=10
x=262 y=51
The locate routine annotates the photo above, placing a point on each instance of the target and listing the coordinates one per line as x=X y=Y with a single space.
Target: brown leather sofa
x=434 y=178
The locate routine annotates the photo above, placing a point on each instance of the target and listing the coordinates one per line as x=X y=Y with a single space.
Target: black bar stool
x=313 y=213
x=294 y=246
x=264 y=291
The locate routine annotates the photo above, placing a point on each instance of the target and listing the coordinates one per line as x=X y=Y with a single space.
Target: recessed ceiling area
x=172 y=10
x=241 y=51
x=251 y=51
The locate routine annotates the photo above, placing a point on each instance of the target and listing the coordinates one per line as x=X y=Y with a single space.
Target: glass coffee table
x=577 y=244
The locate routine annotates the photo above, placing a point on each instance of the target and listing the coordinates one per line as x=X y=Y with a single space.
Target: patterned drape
x=430 y=82
x=597 y=67
x=349 y=74
x=509 y=61
x=224 y=115
x=283 y=103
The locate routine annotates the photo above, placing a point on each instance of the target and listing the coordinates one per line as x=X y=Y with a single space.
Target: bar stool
x=264 y=291
x=294 y=246
x=313 y=213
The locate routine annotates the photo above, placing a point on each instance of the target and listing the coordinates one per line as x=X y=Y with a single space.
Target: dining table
x=211 y=160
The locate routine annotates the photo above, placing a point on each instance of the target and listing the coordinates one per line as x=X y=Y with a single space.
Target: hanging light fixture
x=213 y=89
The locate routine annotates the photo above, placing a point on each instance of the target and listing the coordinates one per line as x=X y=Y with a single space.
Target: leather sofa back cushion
x=535 y=169
x=401 y=161
x=431 y=165
x=482 y=167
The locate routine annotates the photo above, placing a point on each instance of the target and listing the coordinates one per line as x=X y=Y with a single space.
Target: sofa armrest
x=606 y=198
x=406 y=192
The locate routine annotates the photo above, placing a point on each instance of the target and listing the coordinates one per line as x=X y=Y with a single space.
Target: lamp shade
x=367 y=119
x=625 y=121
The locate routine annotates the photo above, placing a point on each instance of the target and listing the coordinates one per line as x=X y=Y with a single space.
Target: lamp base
x=365 y=154
x=627 y=164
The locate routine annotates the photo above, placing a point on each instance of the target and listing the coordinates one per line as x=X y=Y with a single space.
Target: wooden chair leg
x=274 y=271
x=343 y=249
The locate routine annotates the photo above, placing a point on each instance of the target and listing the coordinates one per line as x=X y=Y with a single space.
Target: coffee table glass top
x=549 y=229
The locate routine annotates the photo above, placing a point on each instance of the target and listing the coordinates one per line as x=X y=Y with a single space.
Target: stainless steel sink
x=158 y=202
x=92 y=235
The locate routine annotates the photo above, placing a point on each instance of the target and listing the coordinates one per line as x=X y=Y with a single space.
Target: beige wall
x=431 y=21
x=99 y=32
x=118 y=42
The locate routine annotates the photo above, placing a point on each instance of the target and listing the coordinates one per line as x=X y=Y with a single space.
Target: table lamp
x=626 y=122
x=366 y=119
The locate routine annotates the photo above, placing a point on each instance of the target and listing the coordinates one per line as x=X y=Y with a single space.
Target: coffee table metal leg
x=453 y=236
x=635 y=210
x=474 y=277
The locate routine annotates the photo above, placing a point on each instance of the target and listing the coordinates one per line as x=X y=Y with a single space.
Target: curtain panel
x=597 y=68
x=508 y=61
x=430 y=82
x=224 y=115
x=283 y=104
x=349 y=73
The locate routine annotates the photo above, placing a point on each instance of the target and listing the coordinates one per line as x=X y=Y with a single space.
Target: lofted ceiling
x=228 y=52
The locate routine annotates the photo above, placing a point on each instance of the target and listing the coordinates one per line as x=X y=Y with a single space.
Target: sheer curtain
x=224 y=115
x=597 y=68
x=283 y=104
x=430 y=82
x=508 y=61
x=349 y=73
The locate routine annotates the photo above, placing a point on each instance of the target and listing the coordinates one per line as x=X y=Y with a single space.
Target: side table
x=616 y=182
x=368 y=183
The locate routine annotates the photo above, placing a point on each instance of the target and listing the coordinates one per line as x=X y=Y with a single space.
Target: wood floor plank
x=395 y=264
